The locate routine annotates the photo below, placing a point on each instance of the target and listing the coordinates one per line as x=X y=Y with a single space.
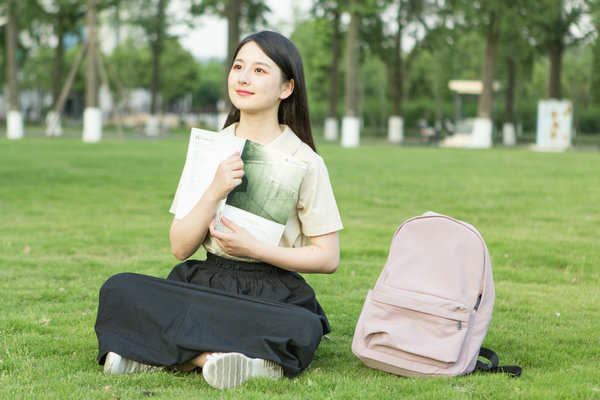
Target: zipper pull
x=478 y=302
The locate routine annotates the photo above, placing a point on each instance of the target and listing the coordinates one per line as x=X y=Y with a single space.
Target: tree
x=351 y=121
x=157 y=48
x=331 y=11
x=551 y=29
x=446 y=53
x=240 y=15
x=210 y=82
x=516 y=56
x=91 y=76
x=152 y=18
x=406 y=17
x=131 y=60
x=595 y=78
x=63 y=16
x=487 y=16
x=183 y=75
x=313 y=39
x=484 y=108
x=15 y=118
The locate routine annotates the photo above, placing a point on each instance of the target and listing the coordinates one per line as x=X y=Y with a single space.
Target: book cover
x=263 y=201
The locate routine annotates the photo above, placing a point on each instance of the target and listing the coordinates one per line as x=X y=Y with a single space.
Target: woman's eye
x=260 y=70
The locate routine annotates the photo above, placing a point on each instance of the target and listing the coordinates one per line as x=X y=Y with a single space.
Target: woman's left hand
x=238 y=242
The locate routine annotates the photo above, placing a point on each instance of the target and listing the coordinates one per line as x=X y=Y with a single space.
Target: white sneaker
x=116 y=364
x=225 y=370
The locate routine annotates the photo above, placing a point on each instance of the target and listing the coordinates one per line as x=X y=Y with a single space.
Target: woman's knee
x=118 y=282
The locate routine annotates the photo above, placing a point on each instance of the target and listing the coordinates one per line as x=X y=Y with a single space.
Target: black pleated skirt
x=216 y=305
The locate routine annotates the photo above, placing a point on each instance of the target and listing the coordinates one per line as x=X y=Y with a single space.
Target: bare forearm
x=321 y=256
x=187 y=234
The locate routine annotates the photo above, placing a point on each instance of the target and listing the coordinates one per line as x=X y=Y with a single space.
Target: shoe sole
x=114 y=364
x=227 y=370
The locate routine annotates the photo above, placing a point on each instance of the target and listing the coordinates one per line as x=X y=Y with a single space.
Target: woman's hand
x=322 y=255
x=238 y=242
x=187 y=234
x=229 y=175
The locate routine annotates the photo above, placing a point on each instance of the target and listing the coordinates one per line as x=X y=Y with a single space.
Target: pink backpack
x=432 y=304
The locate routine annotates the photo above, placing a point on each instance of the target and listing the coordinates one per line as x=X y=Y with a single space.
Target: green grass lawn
x=72 y=214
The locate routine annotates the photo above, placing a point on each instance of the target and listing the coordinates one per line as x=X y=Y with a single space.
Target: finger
x=219 y=234
x=235 y=183
x=216 y=233
x=234 y=158
x=220 y=243
x=236 y=165
x=211 y=228
x=239 y=173
x=230 y=224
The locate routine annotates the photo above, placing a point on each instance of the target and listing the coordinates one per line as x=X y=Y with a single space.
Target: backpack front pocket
x=415 y=326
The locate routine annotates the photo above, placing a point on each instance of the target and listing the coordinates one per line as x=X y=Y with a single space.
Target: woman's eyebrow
x=254 y=63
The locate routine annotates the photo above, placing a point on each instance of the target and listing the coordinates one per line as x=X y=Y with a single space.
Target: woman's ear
x=288 y=89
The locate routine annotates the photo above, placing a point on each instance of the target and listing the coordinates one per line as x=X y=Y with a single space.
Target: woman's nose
x=244 y=76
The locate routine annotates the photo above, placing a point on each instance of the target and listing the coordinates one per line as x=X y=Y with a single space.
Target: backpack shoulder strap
x=512 y=370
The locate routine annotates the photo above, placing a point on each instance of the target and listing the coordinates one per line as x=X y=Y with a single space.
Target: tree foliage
x=543 y=48
x=595 y=64
x=552 y=26
x=241 y=15
x=133 y=63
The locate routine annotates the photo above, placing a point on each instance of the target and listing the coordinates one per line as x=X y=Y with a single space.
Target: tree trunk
x=484 y=108
x=437 y=93
x=595 y=70
x=156 y=52
x=510 y=91
x=352 y=62
x=555 y=50
x=233 y=9
x=11 y=56
x=351 y=121
x=91 y=79
x=59 y=55
x=333 y=69
x=396 y=71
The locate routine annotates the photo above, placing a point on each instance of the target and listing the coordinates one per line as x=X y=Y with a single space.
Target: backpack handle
x=512 y=370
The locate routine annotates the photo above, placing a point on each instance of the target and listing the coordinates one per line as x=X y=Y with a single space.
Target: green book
x=263 y=201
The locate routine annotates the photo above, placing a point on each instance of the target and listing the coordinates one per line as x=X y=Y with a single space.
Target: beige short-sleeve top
x=315 y=211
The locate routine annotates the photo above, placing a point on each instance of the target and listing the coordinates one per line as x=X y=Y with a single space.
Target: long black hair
x=293 y=111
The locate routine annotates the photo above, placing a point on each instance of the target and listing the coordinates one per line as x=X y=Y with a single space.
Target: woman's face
x=255 y=82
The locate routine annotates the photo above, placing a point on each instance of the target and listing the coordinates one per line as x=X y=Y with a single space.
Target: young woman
x=244 y=311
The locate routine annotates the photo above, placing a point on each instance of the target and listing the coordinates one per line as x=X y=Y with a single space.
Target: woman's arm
x=321 y=256
x=187 y=234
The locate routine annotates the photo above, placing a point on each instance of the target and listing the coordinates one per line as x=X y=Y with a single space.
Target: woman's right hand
x=229 y=175
x=187 y=234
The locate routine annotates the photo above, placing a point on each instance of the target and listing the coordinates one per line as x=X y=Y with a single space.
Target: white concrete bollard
x=395 y=129
x=481 y=136
x=331 y=129
x=14 y=125
x=509 y=138
x=92 y=124
x=53 y=124
x=350 y=131
x=153 y=126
